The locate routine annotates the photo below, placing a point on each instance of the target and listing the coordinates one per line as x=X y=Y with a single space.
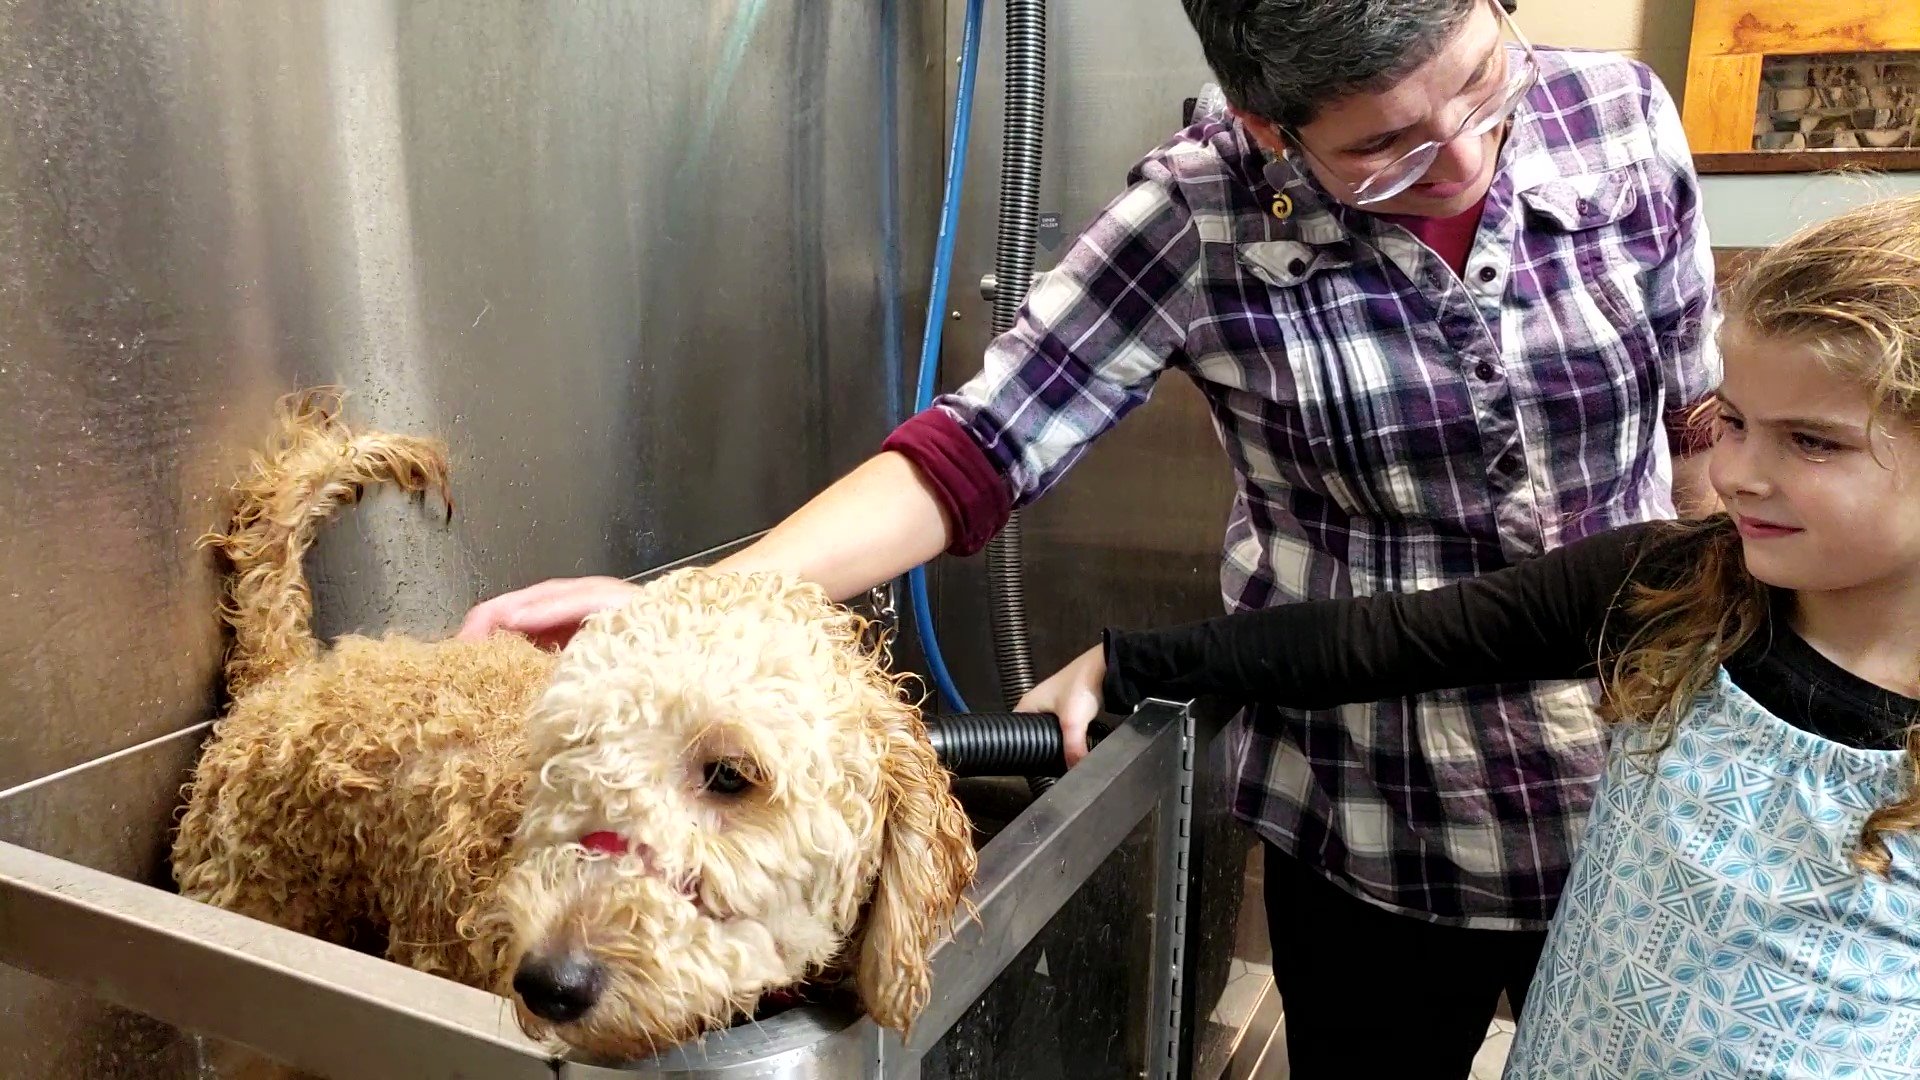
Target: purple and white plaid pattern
x=1395 y=427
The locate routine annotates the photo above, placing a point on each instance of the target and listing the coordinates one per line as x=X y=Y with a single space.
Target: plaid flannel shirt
x=1392 y=426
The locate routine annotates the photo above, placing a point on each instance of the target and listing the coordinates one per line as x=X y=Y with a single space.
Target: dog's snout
x=561 y=988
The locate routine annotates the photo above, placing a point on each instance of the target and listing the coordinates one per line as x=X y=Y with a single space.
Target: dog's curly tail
x=314 y=466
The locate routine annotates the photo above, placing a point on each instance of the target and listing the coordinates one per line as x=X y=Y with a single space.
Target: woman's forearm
x=877 y=522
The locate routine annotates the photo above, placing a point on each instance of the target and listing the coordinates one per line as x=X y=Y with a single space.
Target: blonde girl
x=1746 y=902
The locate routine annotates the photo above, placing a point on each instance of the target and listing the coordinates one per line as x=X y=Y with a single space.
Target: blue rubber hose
x=936 y=312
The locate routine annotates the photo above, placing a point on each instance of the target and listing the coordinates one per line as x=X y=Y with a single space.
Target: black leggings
x=1367 y=992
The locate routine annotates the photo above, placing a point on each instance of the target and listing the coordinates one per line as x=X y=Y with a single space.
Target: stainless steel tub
x=1093 y=875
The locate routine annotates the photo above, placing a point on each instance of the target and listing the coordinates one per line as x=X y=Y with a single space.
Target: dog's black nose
x=558 y=988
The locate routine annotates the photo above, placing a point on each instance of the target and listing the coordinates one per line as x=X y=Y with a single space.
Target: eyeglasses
x=1402 y=172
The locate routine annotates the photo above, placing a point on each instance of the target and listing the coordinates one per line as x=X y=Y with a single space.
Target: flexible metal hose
x=1026 y=87
x=1024 y=126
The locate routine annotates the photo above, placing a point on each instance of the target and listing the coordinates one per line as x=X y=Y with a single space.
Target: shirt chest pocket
x=1591 y=241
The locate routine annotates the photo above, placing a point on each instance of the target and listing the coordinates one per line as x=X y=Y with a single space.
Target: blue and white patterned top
x=1713 y=925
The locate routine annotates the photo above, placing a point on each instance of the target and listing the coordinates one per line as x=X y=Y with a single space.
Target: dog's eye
x=724 y=778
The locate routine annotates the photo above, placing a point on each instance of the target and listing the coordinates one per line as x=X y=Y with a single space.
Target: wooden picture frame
x=1731 y=40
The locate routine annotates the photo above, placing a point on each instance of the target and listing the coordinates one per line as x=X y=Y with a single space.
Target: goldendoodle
x=715 y=794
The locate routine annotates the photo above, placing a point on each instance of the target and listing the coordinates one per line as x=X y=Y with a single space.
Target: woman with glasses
x=1449 y=297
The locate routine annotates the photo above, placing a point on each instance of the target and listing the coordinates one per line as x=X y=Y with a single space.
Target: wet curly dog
x=713 y=795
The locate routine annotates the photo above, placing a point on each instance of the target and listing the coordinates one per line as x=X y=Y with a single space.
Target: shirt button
x=1488 y=273
x=1297 y=267
x=1483 y=371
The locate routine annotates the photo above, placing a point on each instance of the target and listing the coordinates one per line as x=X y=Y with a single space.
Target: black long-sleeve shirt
x=1558 y=616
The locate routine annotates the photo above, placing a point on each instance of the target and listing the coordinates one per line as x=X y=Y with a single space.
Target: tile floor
x=1493 y=1054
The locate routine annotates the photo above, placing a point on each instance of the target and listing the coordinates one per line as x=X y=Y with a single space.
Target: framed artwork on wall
x=1804 y=85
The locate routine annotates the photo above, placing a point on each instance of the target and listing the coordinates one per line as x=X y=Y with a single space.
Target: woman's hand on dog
x=549 y=613
x=1073 y=695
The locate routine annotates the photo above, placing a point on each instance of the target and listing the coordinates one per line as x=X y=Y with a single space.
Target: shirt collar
x=1312 y=215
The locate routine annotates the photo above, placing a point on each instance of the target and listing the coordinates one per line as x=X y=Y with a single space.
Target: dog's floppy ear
x=927 y=860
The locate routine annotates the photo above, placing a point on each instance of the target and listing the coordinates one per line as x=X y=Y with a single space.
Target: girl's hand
x=1073 y=695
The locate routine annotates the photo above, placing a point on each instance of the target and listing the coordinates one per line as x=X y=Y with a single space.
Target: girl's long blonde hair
x=1849 y=290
